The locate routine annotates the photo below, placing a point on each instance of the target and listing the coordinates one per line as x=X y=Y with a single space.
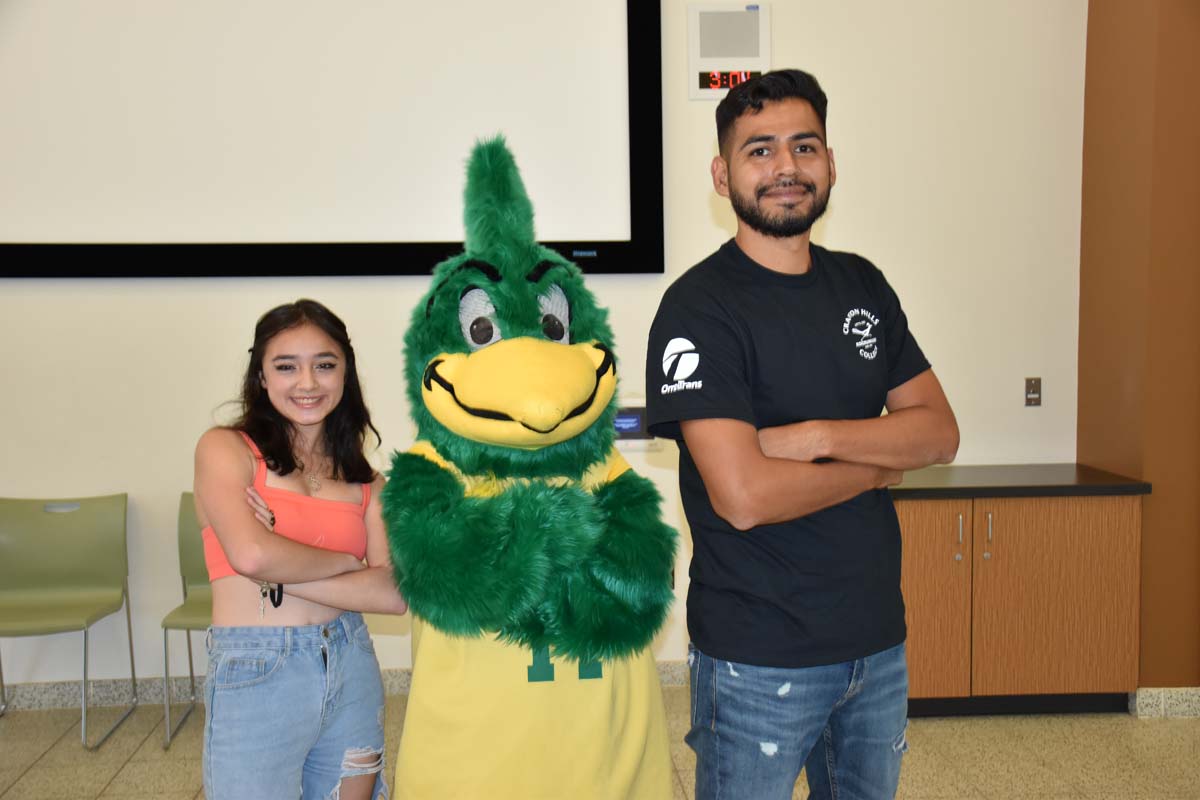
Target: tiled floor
x=1099 y=756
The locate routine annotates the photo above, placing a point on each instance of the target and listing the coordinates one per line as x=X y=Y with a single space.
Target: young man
x=771 y=362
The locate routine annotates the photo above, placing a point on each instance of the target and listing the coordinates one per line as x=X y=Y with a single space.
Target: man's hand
x=801 y=441
x=809 y=442
x=889 y=477
x=918 y=430
x=747 y=488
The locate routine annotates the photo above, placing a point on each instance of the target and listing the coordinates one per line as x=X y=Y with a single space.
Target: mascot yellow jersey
x=535 y=562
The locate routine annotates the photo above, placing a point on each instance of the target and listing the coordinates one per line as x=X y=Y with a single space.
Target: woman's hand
x=264 y=514
x=261 y=510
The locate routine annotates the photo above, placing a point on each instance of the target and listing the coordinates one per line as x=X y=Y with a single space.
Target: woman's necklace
x=313 y=479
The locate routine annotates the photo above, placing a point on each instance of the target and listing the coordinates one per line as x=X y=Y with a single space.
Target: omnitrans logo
x=680 y=360
x=861 y=323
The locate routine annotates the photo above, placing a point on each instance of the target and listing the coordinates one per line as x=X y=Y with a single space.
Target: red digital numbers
x=718 y=79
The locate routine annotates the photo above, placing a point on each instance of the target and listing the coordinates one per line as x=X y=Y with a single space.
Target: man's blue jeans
x=753 y=728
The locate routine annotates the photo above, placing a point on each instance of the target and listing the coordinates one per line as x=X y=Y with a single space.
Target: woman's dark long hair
x=345 y=428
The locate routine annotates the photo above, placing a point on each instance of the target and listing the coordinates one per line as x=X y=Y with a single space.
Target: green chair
x=64 y=567
x=195 y=614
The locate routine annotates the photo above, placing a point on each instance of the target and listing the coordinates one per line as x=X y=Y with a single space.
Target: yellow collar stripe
x=489 y=485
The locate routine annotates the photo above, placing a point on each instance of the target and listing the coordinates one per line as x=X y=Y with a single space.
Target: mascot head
x=509 y=358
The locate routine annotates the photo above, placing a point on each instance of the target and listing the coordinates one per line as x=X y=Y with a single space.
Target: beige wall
x=957 y=128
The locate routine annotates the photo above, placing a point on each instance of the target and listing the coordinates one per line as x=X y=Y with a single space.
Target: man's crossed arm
x=759 y=477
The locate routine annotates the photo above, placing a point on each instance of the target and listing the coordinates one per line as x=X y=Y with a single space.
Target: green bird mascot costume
x=535 y=562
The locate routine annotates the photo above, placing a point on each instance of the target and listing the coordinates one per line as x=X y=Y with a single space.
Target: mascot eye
x=556 y=314
x=553 y=328
x=482 y=330
x=477 y=318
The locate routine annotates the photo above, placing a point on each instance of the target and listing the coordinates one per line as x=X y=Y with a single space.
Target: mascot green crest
x=518 y=533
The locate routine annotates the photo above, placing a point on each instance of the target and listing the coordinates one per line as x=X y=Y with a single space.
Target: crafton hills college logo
x=862 y=323
x=680 y=360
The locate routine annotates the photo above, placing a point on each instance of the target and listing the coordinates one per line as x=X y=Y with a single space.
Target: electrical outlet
x=1033 y=391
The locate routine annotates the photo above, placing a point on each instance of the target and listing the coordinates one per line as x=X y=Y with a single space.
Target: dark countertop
x=1014 y=480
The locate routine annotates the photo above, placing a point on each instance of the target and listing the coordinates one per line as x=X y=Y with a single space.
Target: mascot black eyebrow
x=535 y=562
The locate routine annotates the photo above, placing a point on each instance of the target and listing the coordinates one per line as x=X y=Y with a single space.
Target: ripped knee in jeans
x=360 y=762
x=900 y=743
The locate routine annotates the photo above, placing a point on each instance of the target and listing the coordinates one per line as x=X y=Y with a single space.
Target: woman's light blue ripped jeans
x=292 y=711
x=753 y=728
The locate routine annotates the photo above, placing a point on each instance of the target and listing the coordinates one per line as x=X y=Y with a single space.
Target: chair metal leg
x=166 y=693
x=168 y=731
x=191 y=669
x=132 y=677
x=3 y=696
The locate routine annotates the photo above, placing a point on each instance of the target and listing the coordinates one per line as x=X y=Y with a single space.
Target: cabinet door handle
x=989 y=519
x=960 y=528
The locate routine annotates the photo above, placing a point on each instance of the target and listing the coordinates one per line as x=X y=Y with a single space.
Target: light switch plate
x=1033 y=391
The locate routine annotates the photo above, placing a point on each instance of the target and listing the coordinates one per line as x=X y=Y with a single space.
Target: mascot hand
x=612 y=603
x=473 y=564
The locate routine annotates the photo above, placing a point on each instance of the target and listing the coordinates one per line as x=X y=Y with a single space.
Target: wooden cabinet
x=1040 y=596
x=935 y=578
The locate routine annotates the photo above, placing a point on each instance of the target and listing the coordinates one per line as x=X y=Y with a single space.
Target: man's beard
x=783 y=225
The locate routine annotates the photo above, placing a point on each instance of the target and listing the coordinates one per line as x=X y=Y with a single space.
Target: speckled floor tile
x=682 y=756
x=393 y=727
x=188 y=742
x=1180 y=775
x=678 y=714
x=8 y=777
x=20 y=755
x=1107 y=762
x=926 y=775
x=996 y=756
x=62 y=782
x=686 y=771
x=678 y=792
x=800 y=791
x=1009 y=777
x=32 y=723
x=676 y=700
x=116 y=749
x=26 y=735
x=182 y=776
x=1069 y=757
x=1173 y=739
x=1105 y=755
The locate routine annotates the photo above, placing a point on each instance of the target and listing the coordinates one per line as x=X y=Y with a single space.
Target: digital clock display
x=725 y=80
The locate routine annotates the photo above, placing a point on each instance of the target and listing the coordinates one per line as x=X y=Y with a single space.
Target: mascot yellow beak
x=525 y=392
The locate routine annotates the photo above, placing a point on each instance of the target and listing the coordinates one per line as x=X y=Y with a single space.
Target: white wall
x=957 y=127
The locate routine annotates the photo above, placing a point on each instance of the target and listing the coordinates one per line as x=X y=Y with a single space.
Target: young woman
x=289 y=508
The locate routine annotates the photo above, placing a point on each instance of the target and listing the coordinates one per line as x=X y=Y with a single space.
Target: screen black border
x=641 y=253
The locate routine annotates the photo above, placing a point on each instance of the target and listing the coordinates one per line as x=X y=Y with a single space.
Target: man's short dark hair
x=782 y=84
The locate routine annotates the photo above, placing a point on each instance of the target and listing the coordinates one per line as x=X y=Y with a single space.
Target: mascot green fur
x=535 y=562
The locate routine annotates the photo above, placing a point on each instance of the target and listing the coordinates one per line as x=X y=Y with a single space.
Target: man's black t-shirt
x=733 y=339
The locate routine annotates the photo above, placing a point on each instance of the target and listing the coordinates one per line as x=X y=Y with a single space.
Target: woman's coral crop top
x=317 y=521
